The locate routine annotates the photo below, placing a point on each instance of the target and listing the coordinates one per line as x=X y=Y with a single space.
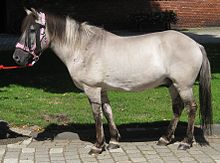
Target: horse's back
x=149 y=60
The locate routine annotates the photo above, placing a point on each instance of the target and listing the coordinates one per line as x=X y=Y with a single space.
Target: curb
x=128 y=133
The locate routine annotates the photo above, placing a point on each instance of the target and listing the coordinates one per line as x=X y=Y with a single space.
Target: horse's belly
x=134 y=82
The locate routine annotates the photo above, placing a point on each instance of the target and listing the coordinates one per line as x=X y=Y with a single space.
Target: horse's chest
x=84 y=72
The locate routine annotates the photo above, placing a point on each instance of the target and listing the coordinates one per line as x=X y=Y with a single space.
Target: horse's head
x=34 y=38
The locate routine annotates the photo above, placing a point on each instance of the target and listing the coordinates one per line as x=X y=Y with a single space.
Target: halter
x=36 y=50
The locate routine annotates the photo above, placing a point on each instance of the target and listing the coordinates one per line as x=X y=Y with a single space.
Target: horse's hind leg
x=114 y=133
x=177 y=107
x=189 y=102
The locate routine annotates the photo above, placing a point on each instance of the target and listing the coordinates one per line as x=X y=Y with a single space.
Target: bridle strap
x=25 y=48
x=38 y=40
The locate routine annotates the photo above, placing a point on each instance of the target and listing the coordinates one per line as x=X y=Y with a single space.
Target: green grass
x=21 y=105
x=41 y=96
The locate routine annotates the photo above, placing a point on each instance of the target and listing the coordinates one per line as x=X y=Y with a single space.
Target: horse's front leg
x=114 y=133
x=94 y=95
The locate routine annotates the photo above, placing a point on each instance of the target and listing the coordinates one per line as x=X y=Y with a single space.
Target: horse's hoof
x=184 y=146
x=163 y=142
x=113 y=145
x=95 y=150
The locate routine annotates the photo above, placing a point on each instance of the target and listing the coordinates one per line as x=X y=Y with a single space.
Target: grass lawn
x=45 y=94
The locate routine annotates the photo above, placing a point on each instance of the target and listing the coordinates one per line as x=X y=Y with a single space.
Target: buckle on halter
x=35 y=59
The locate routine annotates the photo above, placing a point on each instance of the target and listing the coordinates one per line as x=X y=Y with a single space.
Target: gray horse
x=99 y=61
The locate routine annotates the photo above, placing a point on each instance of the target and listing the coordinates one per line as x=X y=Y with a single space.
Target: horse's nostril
x=16 y=58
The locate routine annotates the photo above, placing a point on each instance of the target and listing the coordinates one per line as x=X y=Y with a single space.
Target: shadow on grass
x=49 y=74
x=134 y=132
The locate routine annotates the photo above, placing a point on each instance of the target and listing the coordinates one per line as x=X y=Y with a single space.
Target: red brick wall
x=193 y=13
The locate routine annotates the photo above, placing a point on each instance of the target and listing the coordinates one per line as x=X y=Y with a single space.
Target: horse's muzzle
x=22 y=57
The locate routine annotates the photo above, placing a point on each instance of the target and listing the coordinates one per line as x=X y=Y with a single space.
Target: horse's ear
x=27 y=11
x=34 y=12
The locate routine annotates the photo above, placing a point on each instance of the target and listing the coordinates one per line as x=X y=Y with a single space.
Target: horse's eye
x=32 y=29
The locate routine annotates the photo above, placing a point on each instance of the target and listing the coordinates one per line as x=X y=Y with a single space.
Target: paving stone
x=57 y=161
x=12 y=154
x=2 y=151
x=56 y=150
x=14 y=149
x=83 y=155
x=10 y=160
x=135 y=155
x=57 y=158
x=107 y=161
x=156 y=161
x=191 y=162
x=27 y=141
x=215 y=157
x=118 y=150
x=103 y=156
x=145 y=148
x=1 y=158
x=138 y=159
x=42 y=159
x=68 y=157
x=3 y=146
x=132 y=151
x=120 y=159
x=27 y=158
x=195 y=152
x=42 y=155
x=162 y=150
x=28 y=150
x=127 y=147
x=186 y=159
x=14 y=146
x=26 y=161
x=86 y=159
x=170 y=159
x=149 y=152
x=73 y=161
x=155 y=156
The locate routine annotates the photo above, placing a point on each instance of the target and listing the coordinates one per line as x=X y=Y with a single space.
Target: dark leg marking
x=177 y=107
x=188 y=140
x=114 y=133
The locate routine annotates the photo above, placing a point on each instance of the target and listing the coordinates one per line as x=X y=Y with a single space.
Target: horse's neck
x=77 y=46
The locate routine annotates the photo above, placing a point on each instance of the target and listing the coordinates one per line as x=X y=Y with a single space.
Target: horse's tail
x=205 y=94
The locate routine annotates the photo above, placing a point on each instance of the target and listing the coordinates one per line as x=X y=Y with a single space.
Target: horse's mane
x=68 y=31
x=56 y=26
x=81 y=34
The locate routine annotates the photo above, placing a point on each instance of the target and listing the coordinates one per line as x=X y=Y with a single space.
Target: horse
x=98 y=61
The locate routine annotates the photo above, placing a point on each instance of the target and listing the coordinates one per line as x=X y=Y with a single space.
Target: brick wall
x=193 y=13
